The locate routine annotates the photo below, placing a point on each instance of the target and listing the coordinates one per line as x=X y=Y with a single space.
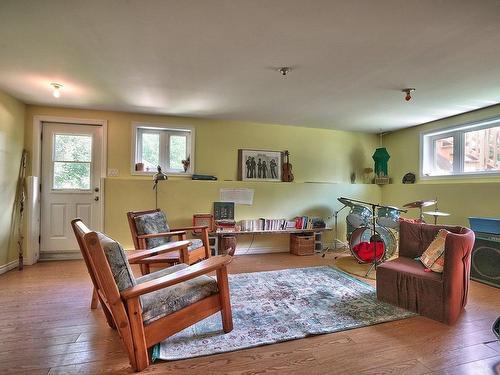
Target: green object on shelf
x=381 y=157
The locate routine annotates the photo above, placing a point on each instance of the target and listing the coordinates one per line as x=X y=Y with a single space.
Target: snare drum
x=359 y=216
x=388 y=217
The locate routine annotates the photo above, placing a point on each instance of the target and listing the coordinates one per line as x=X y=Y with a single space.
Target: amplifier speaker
x=485 y=260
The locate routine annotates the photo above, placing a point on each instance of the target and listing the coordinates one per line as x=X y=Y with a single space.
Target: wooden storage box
x=302 y=244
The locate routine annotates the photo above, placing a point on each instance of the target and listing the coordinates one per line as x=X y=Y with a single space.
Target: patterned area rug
x=276 y=306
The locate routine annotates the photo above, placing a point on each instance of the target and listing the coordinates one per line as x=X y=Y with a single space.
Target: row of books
x=266 y=224
x=305 y=222
x=301 y=222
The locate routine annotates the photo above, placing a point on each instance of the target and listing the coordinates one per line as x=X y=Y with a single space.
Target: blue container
x=485 y=225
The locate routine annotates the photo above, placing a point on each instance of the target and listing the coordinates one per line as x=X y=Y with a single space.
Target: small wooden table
x=227 y=239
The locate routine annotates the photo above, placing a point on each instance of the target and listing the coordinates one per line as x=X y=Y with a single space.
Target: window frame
x=427 y=139
x=53 y=161
x=166 y=130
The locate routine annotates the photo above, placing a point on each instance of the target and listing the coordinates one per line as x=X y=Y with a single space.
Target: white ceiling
x=216 y=59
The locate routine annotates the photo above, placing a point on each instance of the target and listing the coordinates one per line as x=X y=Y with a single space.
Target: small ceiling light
x=56 y=93
x=284 y=70
x=408 y=93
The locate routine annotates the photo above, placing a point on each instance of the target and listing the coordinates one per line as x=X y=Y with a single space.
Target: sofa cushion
x=433 y=256
x=118 y=262
x=153 y=223
x=160 y=303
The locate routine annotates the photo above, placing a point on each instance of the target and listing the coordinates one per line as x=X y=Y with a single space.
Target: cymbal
x=436 y=213
x=419 y=204
x=345 y=201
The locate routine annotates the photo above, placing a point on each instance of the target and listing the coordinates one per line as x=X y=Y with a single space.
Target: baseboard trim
x=59 y=255
x=259 y=250
x=9 y=266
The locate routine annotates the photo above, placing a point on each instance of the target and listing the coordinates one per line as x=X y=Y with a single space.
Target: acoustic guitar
x=286 y=169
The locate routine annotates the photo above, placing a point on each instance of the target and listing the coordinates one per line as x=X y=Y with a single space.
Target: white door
x=70 y=185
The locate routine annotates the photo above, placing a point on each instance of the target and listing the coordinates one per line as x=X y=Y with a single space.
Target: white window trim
x=161 y=126
x=457 y=131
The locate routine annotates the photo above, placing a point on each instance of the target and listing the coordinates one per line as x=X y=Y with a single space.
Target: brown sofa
x=403 y=281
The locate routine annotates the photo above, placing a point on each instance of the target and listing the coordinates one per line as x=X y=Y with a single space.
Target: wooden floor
x=47 y=327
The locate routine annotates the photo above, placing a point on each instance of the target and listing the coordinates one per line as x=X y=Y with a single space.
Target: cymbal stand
x=335 y=234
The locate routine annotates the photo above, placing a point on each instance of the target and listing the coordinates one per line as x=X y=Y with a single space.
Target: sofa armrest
x=456 y=272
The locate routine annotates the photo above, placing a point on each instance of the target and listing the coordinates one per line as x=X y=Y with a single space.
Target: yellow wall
x=12 y=114
x=325 y=157
x=460 y=197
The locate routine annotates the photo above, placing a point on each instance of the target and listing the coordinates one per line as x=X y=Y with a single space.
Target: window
x=469 y=149
x=71 y=158
x=163 y=145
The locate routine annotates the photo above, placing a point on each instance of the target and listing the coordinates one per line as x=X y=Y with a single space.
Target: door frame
x=33 y=228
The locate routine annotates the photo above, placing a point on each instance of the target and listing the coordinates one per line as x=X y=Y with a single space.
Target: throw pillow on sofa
x=433 y=256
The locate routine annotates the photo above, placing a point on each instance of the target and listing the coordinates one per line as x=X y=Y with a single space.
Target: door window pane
x=71 y=175
x=150 y=151
x=69 y=147
x=177 y=149
x=482 y=150
x=443 y=156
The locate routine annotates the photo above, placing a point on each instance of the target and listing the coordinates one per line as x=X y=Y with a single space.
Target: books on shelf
x=305 y=222
x=264 y=224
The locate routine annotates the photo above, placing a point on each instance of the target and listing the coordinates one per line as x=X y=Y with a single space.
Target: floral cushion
x=195 y=244
x=160 y=303
x=433 y=256
x=155 y=222
x=118 y=262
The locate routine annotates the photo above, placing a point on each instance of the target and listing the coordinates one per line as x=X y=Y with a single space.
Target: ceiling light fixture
x=408 y=93
x=56 y=93
x=284 y=70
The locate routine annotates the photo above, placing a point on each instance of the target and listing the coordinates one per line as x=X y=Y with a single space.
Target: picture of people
x=259 y=165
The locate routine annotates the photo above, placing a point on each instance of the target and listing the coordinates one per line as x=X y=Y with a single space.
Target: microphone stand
x=335 y=230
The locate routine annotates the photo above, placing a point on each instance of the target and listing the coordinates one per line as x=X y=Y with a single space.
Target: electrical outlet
x=113 y=172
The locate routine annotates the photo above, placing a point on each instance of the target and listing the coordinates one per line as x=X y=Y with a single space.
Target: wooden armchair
x=151 y=308
x=134 y=257
x=150 y=229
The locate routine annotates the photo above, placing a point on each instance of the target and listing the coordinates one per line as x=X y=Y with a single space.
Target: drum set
x=373 y=229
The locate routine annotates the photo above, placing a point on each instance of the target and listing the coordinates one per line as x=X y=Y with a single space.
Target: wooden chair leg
x=95 y=299
x=138 y=338
x=227 y=315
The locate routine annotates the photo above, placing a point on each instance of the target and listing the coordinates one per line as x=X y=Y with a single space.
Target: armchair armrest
x=199 y=227
x=162 y=234
x=191 y=272
x=137 y=255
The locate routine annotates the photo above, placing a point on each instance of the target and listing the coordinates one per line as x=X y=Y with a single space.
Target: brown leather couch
x=403 y=281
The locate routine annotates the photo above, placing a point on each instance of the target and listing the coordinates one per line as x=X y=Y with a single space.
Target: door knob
x=96 y=198
x=96 y=189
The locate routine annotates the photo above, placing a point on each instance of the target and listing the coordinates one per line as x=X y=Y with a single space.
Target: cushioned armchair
x=403 y=281
x=148 y=309
x=150 y=230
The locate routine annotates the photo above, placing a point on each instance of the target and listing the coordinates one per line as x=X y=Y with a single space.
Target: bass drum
x=364 y=234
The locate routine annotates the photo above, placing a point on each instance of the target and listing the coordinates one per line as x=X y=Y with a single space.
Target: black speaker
x=485 y=259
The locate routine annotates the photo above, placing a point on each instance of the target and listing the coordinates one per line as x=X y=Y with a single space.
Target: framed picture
x=259 y=165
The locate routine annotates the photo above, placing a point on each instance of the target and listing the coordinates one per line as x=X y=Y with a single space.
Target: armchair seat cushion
x=160 y=303
x=403 y=282
x=196 y=243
